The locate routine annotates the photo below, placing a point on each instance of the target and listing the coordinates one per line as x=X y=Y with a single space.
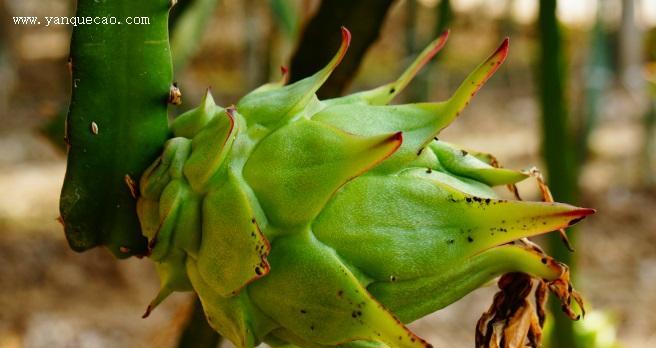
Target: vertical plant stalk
x=422 y=87
x=364 y=18
x=117 y=121
x=597 y=74
x=556 y=147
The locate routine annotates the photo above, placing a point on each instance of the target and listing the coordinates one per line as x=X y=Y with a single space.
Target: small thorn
x=60 y=219
x=124 y=250
x=563 y=237
x=132 y=186
x=230 y=111
x=398 y=136
x=94 y=128
x=346 y=36
x=147 y=313
x=175 y=95
x=346 y=42
x=503 y=48
x=283 y=70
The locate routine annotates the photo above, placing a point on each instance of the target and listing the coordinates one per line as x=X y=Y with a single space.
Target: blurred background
x=576 y=98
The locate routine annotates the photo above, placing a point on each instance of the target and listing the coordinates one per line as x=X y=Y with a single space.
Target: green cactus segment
x=272 y=107
x=117 y=121
x=329 y=306
x=460 y=162
x=308 y=156
x=415 y=219
x=324 y=224
x=415 y=298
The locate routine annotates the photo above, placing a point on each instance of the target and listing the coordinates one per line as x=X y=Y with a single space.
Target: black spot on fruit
x=470 y=239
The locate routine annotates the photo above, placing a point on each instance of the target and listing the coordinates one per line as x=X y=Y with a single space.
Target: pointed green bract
x=329 y=306
x=191 y=122
x=418 y=122
x=272 y=107
x=233 y=317
x=460 y=162
x=296 y=170
x=418 y=218
x=233 y=250
x=417 y=297
x=309 y=223
x=206 y=154
x=384 y=94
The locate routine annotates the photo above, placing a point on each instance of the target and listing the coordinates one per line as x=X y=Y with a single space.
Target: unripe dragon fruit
x=324 y=223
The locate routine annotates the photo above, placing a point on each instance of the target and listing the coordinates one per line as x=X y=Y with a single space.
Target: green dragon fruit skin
x=324 y=223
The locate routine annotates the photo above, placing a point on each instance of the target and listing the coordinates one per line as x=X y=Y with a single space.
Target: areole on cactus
x=323 y=223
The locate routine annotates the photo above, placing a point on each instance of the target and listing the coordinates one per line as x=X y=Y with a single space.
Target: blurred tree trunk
x=6 y=61
x=649 y=144
x=257 y=28
x=631 y=63
x=420 y=90
x=321 y=38
x=557 y=147
x=187 y=23
x=597 y=74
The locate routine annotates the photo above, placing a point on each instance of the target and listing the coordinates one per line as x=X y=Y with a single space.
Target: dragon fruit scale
x=332 y=222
